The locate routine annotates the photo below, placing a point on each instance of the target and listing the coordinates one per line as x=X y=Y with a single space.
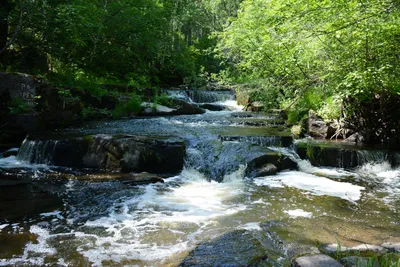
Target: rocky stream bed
x=221 y=188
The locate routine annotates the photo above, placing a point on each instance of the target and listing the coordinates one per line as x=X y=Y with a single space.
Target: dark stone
x=212 y=107
x=141 y=178
x=276 y=159
x=10 y=152
x=266 y=170
x=321 y=155
x=238 y=248
x=114 y=153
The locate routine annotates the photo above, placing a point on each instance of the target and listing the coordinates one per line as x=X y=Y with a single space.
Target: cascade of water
x=38 y=151
x=201 y=96
x=179 y=94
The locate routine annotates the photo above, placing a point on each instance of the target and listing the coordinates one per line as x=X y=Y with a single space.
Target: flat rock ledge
x=367 y=248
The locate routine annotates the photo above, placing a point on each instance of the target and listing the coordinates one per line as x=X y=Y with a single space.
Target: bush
x=133 y=105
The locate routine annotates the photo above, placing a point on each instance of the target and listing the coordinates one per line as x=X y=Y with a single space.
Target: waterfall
x=201 y=96
x=178 y=94
x=38 y=151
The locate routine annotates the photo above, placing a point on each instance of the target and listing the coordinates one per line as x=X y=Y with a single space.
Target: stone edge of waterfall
x=125 y=153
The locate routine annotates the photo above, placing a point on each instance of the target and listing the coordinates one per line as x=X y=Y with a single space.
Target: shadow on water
x=28 y=200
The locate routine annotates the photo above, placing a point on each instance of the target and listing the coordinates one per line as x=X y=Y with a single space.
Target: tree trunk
x=4 y=11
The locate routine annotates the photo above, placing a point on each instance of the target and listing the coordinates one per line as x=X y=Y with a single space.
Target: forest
x=339 y=59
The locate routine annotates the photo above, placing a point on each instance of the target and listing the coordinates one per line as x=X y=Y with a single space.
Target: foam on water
x=314 y=184
x=13 y=163
x=162 y=221
x=33 y=253
x=298 y=213
x=231 y=105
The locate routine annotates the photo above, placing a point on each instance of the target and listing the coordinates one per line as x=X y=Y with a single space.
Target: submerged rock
x=124 y=153
x=238 y=248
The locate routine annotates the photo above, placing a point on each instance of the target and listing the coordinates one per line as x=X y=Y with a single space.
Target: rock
x=212 y=107
x=392 y=246
x=296 y=250
x=369 y=248
x=255 y=106
x=177 y=107
x=238 y=248
x=333 y=248
x=317 y=127
x=10 y=152
x=108 y=152
x=320 y=154
x=276 y=159
x=355 y=261
x=188 y=109
x=141 y=178
x=316 y=261
x=266 y=170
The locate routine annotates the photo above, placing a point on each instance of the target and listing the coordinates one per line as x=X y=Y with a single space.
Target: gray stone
x=316 y=261
x=369 y=248
x=392 y=246
x=333 y=248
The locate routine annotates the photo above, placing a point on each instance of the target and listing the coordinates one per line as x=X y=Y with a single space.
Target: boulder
x=316 y=261
x=266 y=170
x=10 y=152
x=123 y=153
x=317 y=127
x=176 y=107
x=265 y=163
x=212 y=107
x=141 y=178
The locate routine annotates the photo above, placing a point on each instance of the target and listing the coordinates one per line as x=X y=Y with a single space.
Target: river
x=54 y=216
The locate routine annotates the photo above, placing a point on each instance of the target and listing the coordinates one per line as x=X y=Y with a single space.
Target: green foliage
x=313 y=53
x=131 y=106
x=18 y=106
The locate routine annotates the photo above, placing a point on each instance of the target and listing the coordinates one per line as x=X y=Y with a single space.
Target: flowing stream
x=53 y=216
